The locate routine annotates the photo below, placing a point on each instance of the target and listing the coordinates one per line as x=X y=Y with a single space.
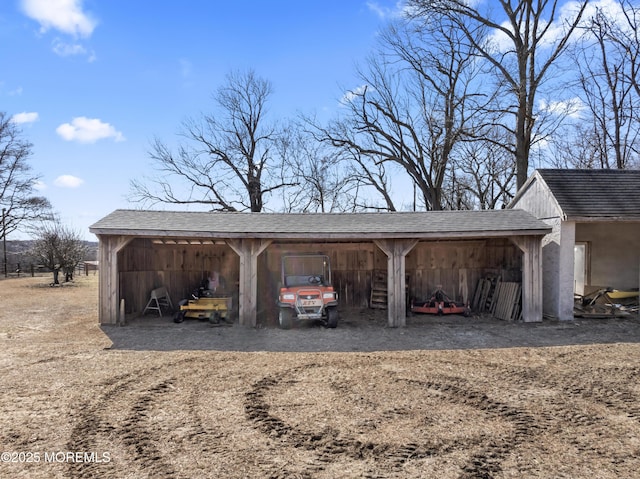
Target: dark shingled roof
x=595 y=193
x=432 y=224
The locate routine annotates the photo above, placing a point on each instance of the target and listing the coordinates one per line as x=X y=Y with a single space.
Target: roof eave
x=522 y=190
x=602 y=219
x=319 y=236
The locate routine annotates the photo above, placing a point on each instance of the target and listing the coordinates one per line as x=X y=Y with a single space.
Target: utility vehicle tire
x=285 y=318
x=178 y=317
x=332 y=317
x=214 y=318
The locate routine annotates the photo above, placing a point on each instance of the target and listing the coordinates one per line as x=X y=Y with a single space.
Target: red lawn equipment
x=440 y=303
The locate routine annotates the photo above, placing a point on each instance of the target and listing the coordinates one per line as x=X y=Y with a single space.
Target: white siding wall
x=538 y=201
x=550 y=269
x=566 y=270
x=614 y=253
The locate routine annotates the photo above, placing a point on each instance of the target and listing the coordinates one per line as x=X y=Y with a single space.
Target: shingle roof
x=435 y=224
x=595 y=193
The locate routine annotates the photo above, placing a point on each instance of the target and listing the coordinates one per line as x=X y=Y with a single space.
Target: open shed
x=595 y=242
x=413 y=251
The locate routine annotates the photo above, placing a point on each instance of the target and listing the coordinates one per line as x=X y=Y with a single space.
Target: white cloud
x=382 y=12
x=385 y=12
x=88 y=130
x=499 y=40
x=609 y=8
x=558 y=28
x=25 y=117
x=65 y=16
x=349 y=96
x=39 y=185
x=68 y=181
x=65 y=49
x=571 y=108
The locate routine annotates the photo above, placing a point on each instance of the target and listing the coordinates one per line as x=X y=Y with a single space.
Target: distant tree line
x=56 y=246
x=23 y=258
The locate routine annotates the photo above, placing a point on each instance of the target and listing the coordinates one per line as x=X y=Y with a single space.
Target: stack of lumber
x=507 y=305
x=502 y=299
x=483 y=296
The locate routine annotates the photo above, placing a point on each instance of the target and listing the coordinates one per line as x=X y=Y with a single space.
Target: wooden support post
x=121 y=319
x=531 y=247
x=109 y=287
x=396 y=251
x=248 y=250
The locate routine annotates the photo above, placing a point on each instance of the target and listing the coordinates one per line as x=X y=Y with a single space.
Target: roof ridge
x=347 y=213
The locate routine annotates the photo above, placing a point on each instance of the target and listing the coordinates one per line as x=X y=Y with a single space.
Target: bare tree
x=367 y=180
x=369 y=174
x=227 y=161
x=415 y=106
x=608 y=61
x=18 y=200
x=579 y=147
x=532 y=46
x=483 y=176
x=58 y=248
x=317 y=176
x=626 y=36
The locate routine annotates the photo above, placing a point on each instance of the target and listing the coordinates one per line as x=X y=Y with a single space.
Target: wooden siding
x=456 y=265
x=536 y=198
x=145 y=266
x=352 y=265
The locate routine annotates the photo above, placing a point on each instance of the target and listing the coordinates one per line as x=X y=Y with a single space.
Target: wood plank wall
x=145 y=266
x=456 y=265
x=351 y=266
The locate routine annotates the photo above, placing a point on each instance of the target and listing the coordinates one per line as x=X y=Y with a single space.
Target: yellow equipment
x=214 y=309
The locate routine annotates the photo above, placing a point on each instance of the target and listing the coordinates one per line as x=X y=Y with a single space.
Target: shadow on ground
x=365 y=332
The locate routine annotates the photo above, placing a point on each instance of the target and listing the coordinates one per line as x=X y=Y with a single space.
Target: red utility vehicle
x=306 y=292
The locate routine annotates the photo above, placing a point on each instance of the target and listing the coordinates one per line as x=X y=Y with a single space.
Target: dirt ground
x=443 y=397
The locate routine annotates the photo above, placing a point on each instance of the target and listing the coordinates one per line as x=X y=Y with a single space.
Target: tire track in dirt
x=487 y=462
x=578 y=395
x=607 y=387
x=326 y=444
x=601 y=387
x=614 y=394
x=93 y=426
x=205 y=439
x=141 y=440
x=329 y=443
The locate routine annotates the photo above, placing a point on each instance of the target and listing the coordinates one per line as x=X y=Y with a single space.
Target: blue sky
x=91 y=83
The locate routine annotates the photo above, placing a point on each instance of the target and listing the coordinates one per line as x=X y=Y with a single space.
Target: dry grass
x=569 y=412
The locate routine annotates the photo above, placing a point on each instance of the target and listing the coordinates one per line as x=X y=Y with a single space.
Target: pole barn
x=140 y=251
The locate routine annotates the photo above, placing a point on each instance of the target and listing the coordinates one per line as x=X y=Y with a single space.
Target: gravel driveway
x=367 y=331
